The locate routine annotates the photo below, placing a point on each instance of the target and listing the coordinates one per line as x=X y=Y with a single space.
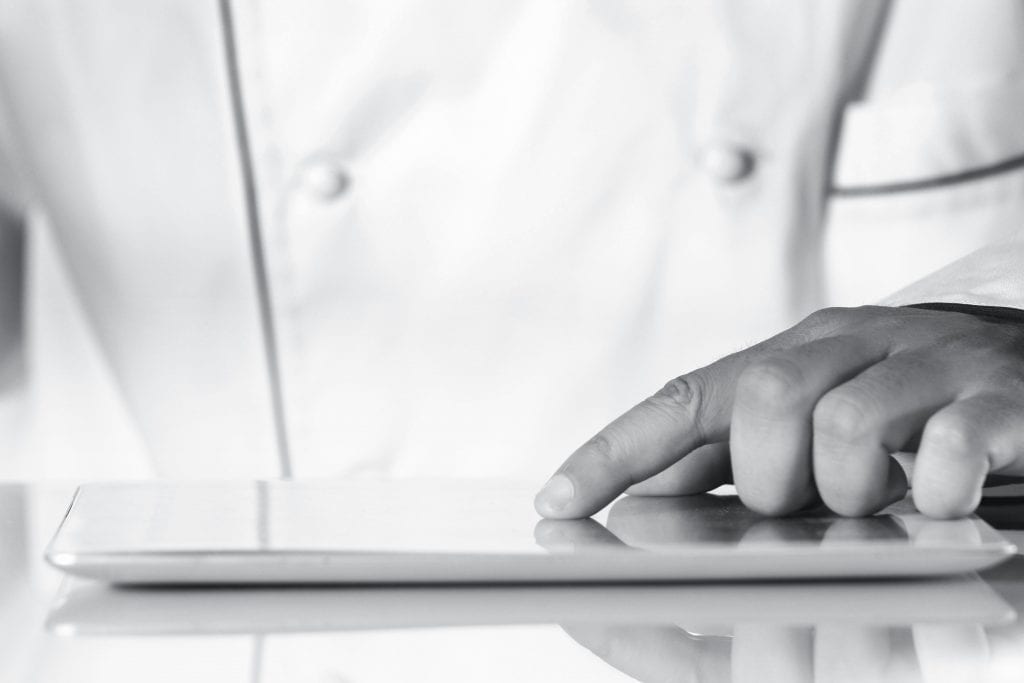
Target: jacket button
x=325 y=180
x=727 y=163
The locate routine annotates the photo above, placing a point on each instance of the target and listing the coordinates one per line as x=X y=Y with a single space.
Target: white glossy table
x=965 y=628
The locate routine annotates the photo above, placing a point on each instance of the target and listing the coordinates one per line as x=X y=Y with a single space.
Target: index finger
x=690 y=411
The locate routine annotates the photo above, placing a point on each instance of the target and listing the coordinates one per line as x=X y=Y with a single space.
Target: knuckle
x=771 y=386
x=892 y=329
x=683 y=391
x=993 y=368
x=981 y=339
x=841 y=416
x=826 y=318
x=683 y=398
x=605 y=451
x=835 y=317
x=907 y=367
x=898 y=375
x=601 y=447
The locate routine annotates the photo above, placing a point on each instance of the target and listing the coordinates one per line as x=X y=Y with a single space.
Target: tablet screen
x=399 y=527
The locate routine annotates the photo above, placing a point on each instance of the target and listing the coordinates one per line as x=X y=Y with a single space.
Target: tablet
x=459 y=531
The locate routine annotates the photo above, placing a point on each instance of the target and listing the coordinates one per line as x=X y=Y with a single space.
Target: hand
x=817 y=411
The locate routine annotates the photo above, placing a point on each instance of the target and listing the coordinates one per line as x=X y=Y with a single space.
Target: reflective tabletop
x=964 y=627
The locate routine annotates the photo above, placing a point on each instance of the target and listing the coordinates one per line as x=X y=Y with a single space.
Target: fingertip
x=948 y=488
x=555 y=499
x=939 y=504
x=776 y=506
x=775 y=501
x=867 y=499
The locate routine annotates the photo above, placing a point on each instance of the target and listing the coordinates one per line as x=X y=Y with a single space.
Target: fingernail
x=556 y=494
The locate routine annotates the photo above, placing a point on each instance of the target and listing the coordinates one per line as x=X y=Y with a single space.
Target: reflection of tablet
x=437 y=531
x=88 y=608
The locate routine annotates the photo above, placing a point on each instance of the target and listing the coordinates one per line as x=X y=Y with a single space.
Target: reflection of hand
x=816 y=411
x=765 y=653
x=758 y=651
x=643 y=522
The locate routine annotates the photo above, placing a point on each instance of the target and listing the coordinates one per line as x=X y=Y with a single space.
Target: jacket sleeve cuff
x=992 y=276
x=994 y=313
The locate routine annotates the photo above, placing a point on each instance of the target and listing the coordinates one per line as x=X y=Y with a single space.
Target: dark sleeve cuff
x=993 y=313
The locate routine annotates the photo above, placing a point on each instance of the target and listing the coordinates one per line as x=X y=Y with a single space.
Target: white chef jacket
x=439 y=237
